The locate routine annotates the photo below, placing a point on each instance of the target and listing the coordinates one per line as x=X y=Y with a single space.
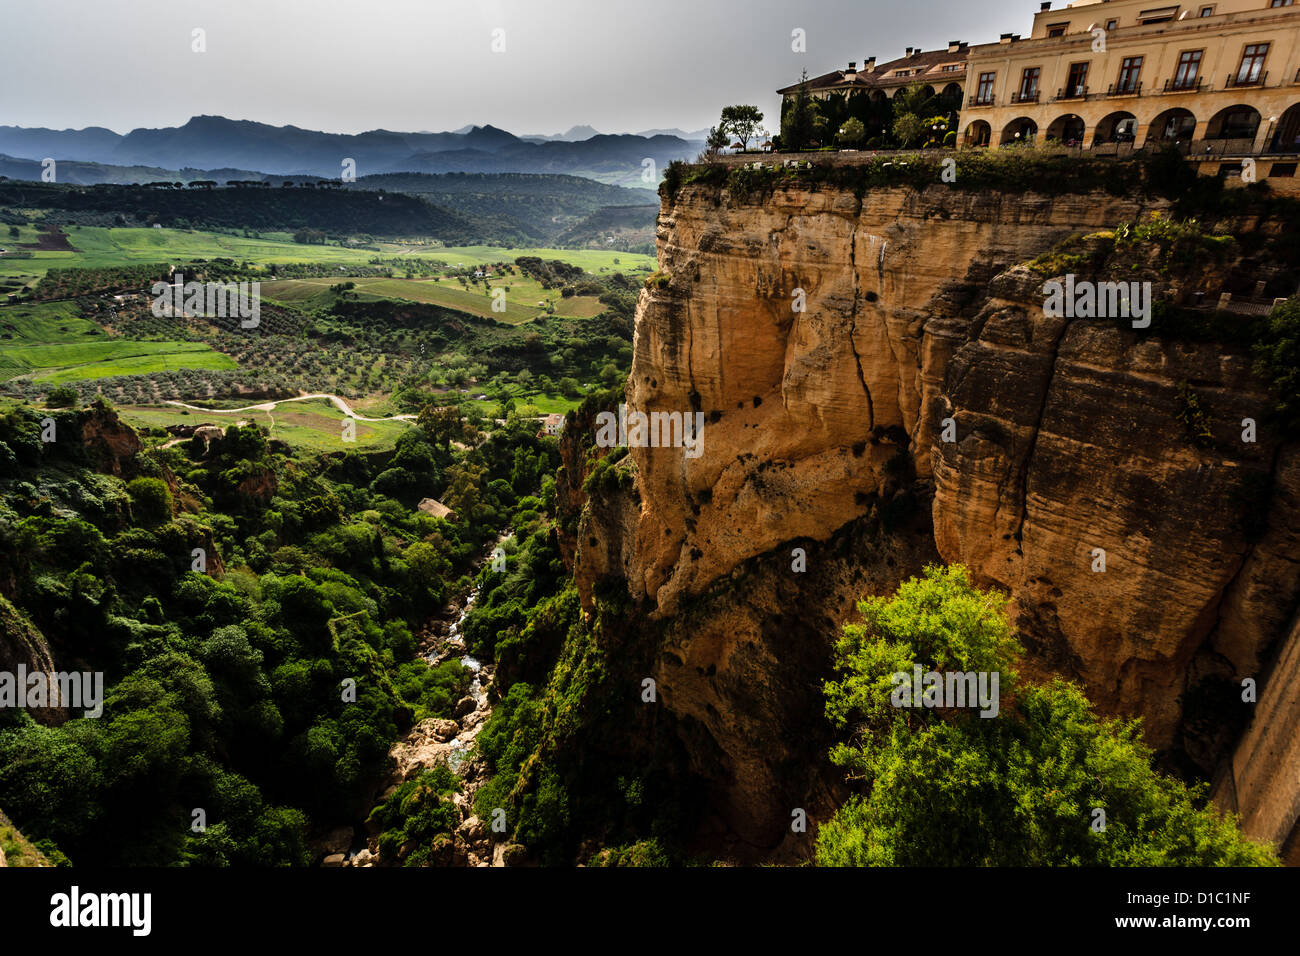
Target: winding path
x=270 y=407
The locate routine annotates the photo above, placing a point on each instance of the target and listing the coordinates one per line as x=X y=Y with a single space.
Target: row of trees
x=916 y=117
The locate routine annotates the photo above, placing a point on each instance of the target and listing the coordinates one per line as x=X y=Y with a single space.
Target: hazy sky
x=354 y=65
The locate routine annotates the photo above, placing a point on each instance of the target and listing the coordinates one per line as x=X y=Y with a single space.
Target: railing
x=979 y=101
x=1023 y=96
x=1124 y=89
x=1234 y=79
x=1078 y=93
x=1185 y=86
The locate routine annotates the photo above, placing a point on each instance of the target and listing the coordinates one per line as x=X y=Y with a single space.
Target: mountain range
x=214 y=142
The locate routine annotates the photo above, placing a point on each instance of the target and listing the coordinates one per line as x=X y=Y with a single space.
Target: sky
x=349 y=66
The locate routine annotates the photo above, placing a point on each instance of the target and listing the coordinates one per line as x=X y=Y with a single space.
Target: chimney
x=1005 y=38
x=868 y=64
x=853 y=68
x=1045 y=6
x=954 y=46
x=909 y=52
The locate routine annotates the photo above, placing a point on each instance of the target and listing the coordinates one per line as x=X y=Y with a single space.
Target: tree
x=713 y=143
x=741 y=122
x=797 y=122
x=1277 y=357
x=851 y=134
x=908 y=129
x=151 y=501
x=61 y=396
x=443 y=424
x=946 y=786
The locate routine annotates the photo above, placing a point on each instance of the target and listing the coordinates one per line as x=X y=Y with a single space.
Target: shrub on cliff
x=1277 y=353
x=944 y=785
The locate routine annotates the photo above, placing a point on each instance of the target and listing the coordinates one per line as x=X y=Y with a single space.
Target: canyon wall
x=1067 y=436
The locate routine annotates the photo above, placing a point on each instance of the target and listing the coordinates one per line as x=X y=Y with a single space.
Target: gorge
x=826 y=473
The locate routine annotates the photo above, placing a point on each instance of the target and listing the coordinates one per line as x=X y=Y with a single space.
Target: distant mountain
x=214 y=142
x=91 y=174
x=336 y=211
x=699 y=136
x=576 y=134
x=533 y=208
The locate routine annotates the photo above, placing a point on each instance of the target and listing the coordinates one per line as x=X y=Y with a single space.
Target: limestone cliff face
x=1069 y=436
x=802 y=405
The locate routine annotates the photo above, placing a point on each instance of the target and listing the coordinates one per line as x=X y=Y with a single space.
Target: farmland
x=390 y=325
x=314 y=425
x=100 y=247
x=49 y=343
x=523 y=297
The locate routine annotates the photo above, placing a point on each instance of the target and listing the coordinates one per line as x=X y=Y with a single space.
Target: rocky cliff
x=921 y=406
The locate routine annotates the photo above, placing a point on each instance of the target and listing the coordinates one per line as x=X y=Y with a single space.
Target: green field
x=523 y=296
x=98 y=247
x=314 y=425
x=50 y=343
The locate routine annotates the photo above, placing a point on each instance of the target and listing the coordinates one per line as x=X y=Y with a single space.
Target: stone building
x=1218 y=78
x=944 y=71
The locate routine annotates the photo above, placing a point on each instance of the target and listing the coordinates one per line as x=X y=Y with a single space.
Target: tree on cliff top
x=945 y=786
x=741 y=122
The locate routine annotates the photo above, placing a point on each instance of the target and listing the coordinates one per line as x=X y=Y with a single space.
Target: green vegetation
x=1277 y=352
x=228 y=686
x=949 y=787
x=418 y=818
x=913 y=118
x=742 y=122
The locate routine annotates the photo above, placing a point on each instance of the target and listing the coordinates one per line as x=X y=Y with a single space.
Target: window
x=984 y=92
x=1111 y=24
x=1129 y=72
x=1158 y=15
x=1207 y=11
x=1282 y=170
x=1077 y=83
x=1029 y=84
x=1057 y=29
x=1252 y=64
x=1189 y=68
x=1280 y=3
x=951 y=68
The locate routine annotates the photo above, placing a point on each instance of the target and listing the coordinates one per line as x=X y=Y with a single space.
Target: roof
x=926 y=66
x=432 y=506
x=554 y=419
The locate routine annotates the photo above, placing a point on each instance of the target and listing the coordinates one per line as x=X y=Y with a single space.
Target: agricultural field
x=524 y=296
x=100 y=247
x=50 y=343
x=314 y=425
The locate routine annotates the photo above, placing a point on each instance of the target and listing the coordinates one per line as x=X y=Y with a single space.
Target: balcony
x=973 y=101
x=1124 y=89
x=1024 y=96
x=1236 y=79
x=1073 y=93
x=1184 y=85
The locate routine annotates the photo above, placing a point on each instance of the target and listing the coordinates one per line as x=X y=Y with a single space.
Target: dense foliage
x=946 y=786
x=263 y=685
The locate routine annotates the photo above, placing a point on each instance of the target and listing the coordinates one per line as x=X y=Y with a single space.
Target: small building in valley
x=434 y=507
x=553 y=424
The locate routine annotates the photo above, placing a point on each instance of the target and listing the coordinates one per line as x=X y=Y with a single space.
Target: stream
x=448 y=740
